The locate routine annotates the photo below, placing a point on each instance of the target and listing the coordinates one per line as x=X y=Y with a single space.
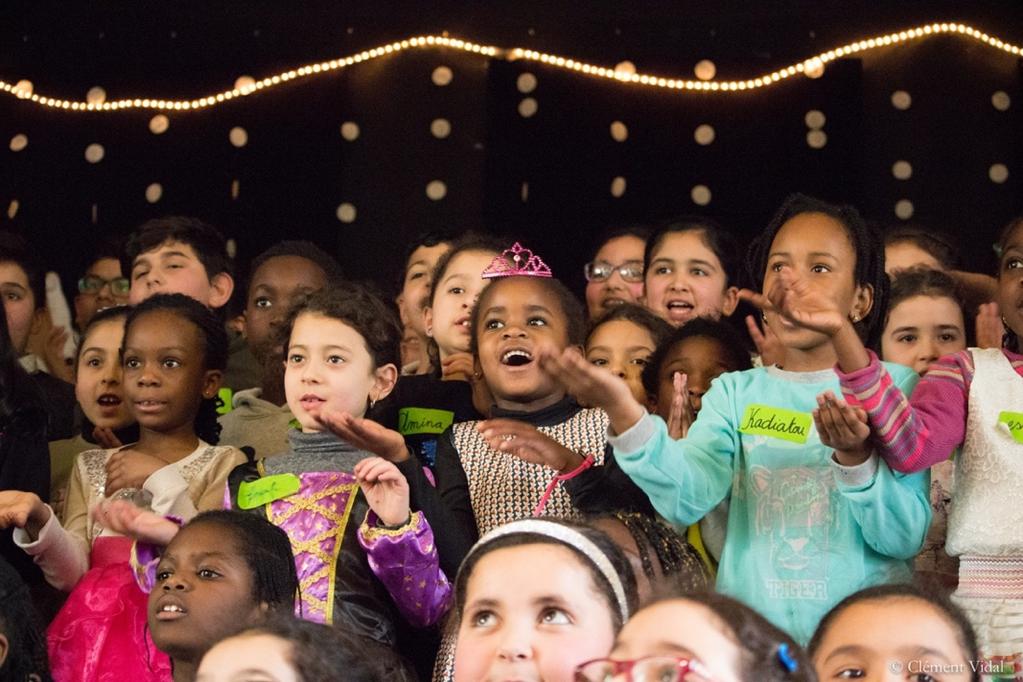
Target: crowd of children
x=490 y=478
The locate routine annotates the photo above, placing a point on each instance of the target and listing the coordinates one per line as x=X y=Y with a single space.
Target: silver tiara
x=570 y=537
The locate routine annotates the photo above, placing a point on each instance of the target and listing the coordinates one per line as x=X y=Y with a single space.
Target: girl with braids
x=732 y=642
x=971 y=400
x=222 y=573
x=173 y=356
x=811 y=518
x=661 y=559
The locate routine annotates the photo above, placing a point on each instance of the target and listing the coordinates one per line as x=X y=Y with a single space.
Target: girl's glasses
x=600 y=271
x=91 y=284
x=646 y=669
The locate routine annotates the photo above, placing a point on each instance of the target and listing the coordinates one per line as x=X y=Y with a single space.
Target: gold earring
x=855 y=318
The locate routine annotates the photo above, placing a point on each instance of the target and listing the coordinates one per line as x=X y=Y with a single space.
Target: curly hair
x=214 y=352
x=19 y=622
x=359 y=307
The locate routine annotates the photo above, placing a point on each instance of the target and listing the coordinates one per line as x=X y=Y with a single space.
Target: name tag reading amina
x=776 y=422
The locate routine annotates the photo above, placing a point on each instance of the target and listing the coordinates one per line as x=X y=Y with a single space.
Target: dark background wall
x=547 y=177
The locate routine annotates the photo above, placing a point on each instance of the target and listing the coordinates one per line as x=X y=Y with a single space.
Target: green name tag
x=226 y=395
x=777 y=422
x=417 y=420
x=1013 y=420
x=252 y=494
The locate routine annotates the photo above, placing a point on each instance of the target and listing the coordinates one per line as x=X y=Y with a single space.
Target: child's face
x=175 y=268
x=203 y=592
x=107 y=271
x=517 y=627
x=416 y=289
x=164 y=376
x=602 y=296
x=874 y=639
x=256 y=657
x=328 y=361
x=817 y=249
x=622 y=348
x=701 y=359
x=922 y=329
x=448 y=319
x=685 y=280
x=19 y=304
x=680 y=629
x=1010 y=283
x=98 y=379
x=277 y=285
x=905 y=255
x=520 y=316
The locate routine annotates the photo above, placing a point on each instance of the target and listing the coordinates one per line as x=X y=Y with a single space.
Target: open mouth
x=463 y=322
x=109 y=400
x=612 y=302
x=516 y=357
x=149 y=404
x=170 y=611
x=680 y=305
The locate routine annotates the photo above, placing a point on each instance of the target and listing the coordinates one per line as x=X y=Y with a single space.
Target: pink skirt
x=101 y=633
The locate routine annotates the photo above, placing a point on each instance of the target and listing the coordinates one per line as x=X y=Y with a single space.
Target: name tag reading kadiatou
x=1013 y=420
x=418 y=420
x=252 y=494
x=777 y=422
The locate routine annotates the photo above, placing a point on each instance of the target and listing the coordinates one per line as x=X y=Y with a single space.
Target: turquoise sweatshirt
x=803 y=531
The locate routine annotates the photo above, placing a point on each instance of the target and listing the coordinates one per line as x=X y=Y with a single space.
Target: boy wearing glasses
x=102 y=286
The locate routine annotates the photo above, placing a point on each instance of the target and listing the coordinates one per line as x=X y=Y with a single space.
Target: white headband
x=570 y=537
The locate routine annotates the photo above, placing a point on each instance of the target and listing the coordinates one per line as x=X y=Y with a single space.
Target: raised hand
x=592 y=386
x=989 y=326
x=385 y=488
x=527 y=443
x=129 y=520
x=796 y=300
x=365 y=434
x=23 y=510
x=457 y=366
x=130 y=469
x=842 y=427
x=767 y=343
x=682 y=415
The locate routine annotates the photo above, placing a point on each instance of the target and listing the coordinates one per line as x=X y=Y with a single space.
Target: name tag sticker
x=1014 y=422
x=416 y=420
x=776 y=422
x=252 y=494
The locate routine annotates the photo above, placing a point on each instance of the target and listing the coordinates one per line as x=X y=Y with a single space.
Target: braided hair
x=215 y=351
x=266 y=550
x=680 y=566
x=866 y=243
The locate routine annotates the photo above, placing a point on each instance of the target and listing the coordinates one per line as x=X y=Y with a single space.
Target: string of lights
x=812 y=68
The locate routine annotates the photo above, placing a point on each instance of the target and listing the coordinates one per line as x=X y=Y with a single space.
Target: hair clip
x=786 y=658
x=517 y=262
